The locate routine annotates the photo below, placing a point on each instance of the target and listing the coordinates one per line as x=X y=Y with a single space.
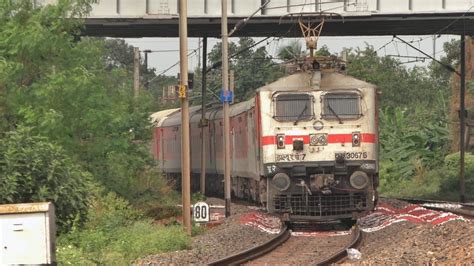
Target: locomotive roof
x=157 y=117
x=316 y=81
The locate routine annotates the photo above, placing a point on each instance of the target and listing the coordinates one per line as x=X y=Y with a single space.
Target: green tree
x=323 y=51
x=293 y=50
x=413 y=122
x=401 y=87
x=253 y=68
x=63 y=89
x=32 y=169
x=452 y=57
x=119 y=54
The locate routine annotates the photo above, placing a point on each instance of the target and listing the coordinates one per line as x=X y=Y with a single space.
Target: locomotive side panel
x=171 y=159
x=243 y=158
x=252 y=160
x=195 y=143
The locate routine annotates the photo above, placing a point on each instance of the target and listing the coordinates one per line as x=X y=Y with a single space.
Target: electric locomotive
x=306 y=146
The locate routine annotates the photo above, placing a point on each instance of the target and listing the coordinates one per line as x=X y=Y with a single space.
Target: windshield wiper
x=301 y=115
x=335 y=114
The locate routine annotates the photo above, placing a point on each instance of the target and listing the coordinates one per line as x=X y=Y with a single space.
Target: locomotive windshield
x=293 y=107
x=341 y=105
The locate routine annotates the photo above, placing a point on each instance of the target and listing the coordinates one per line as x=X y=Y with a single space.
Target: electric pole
x=146 y=52
x=204 y=122
x=183 y=91
x=231 y=83
x=226 y=97
x=199 y=52
x=136 y=71
x=462 y=117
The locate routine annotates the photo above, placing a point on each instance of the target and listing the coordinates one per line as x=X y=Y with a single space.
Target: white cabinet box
x=27 y=233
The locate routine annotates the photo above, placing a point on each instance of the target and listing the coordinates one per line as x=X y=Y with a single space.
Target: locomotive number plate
x=290 y=157
x=356 y=155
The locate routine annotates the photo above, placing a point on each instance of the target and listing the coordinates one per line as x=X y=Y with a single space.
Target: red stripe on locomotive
x=332 y=138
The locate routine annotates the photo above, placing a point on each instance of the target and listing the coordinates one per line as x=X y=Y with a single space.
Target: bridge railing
x=242 y=8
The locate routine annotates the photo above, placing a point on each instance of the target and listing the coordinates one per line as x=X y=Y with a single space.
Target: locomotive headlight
x=280 y=138
x=355 y=139
x=318 y=125
x=359 y=180
x=318 y=139
x=281 y=181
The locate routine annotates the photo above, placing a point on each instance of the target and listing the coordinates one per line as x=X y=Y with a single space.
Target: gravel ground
x=401 y=243
x=216 y=243
x=407 y=243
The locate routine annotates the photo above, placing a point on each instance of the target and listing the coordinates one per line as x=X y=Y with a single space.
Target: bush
x=452 y=164
x=408 y=144
x=425 y=184
x=108 y=211
x=122 y=246
x=117 y=234
x=32 y=169
x=441 y=182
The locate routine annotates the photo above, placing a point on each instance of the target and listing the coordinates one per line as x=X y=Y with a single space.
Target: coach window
x=341 y=105
x=293 y=107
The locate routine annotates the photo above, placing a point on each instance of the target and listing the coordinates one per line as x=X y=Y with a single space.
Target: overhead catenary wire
x=175 y=64
x=448 y=67
x=437 y=33
x=218 y=63
x=160 y=51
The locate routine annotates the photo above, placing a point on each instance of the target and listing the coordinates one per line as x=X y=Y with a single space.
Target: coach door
x=252 y=152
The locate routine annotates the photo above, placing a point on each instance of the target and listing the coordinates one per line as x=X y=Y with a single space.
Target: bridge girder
x=419 y=24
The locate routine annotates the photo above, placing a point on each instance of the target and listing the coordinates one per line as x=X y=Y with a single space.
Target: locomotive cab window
x=341 y=105
x=293 y=107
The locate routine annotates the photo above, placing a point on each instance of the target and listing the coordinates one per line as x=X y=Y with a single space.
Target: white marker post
x=201 y=212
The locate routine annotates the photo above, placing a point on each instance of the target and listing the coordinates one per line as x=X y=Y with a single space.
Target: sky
x=384 y=44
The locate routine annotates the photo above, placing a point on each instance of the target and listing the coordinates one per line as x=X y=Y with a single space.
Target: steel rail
x=253 y=253
x=467 y=210
x=342 y=253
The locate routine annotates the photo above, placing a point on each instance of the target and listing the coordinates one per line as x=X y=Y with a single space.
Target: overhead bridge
x=159 y=18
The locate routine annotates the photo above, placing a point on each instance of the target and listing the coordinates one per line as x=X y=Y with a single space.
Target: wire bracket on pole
x=204 y=122
x=226 y=96
x=311 y=34
x=182 y=91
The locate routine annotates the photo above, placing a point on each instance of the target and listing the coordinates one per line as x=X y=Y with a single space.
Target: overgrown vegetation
x=117 y=234
x=414 y=125
x=72 y=132
x=438 y=182
x=32 y=169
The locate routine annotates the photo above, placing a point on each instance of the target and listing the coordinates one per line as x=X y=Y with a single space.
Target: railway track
x=341 y=255
x=255 y=252
x=464 y=209
x=288 y=249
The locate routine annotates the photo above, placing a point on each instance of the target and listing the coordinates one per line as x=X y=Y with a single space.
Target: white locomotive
x=305 y=146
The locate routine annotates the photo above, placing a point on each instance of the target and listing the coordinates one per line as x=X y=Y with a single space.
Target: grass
x=117 y=234
x=121 y=246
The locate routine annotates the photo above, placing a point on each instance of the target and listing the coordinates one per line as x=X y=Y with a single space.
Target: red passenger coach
x=305 y=146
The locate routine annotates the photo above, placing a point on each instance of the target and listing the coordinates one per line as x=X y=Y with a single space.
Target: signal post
x=183 y=91
x=226 y=97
